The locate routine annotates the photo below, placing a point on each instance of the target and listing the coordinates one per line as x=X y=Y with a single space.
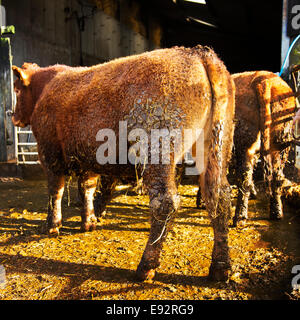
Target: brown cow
x=167 y=88
x=265 y=106
x=45 y=76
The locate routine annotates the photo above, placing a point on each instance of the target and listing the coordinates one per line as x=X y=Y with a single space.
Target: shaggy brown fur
x=29 y=90
x=191 y=87
x=265 y=106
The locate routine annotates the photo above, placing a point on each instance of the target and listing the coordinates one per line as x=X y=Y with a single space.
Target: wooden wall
x=47 y=32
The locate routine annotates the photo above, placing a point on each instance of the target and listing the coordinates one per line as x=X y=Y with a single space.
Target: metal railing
x=25 y=148
x=295 y=75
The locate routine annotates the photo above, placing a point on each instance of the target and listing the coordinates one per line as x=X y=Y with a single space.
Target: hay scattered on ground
x=101 y=264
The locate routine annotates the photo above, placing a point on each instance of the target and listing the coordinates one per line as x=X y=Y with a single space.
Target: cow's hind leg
x=244 y=184
x=88 y=218
x=164 y=202
x=220 y=265
x=56 y=184
x=104 y=195
x=276 y=211
x=245 y=163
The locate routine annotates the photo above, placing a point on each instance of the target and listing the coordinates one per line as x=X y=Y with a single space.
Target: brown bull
x=265 y=106
x=169 y=88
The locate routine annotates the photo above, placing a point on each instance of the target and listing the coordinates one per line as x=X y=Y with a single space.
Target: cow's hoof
x=54 y=231
x=143 y=275
x=88 y=226
x=100 y=215
x=239 y=223
x=217 y=273
x=51 y=230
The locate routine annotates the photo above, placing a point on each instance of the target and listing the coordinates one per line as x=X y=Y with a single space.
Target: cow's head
x=23 y=89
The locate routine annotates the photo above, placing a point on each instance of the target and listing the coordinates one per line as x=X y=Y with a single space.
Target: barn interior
x=247 y=35
x=249 y=29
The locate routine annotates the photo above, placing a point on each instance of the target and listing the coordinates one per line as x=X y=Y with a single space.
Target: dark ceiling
x=246 y=34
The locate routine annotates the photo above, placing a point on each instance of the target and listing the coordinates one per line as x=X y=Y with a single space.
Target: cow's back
x=248 y=106
x=282 y=107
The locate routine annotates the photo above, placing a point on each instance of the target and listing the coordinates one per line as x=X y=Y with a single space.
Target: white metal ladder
x=21 y=154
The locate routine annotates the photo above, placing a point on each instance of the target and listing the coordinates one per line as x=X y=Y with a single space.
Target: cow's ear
x=21 y=74
x=29 y=65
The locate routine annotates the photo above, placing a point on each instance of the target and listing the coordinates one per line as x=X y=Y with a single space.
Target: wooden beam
x=5 y=94
x=4 y=51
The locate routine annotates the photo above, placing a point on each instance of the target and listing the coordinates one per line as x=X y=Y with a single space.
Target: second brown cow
x=265 y=106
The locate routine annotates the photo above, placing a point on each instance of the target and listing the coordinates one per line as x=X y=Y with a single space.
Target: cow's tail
x=263 y=92
x=221 y=139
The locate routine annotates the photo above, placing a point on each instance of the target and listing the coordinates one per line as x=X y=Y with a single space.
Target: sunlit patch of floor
x=101 y=264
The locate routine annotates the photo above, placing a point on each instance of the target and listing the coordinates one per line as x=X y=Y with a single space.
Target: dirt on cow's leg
x=241 y=211
x=245 y=184
x=164 y=203
x=244 y=174
x=56 y=185
x=276 y=212
x=278 y=178
x=220 y=265
x=103 y=195
x=88 y=218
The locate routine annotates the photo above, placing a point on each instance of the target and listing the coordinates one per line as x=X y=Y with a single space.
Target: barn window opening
x=196 y=1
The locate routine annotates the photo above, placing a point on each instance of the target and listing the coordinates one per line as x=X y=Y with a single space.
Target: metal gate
x=25 y=146
x=295 y=73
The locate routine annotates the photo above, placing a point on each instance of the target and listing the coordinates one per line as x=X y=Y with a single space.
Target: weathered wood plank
x=60 y=23
x=101 y=48
x=5 y=95
x=37 y=17
x=50 y=20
